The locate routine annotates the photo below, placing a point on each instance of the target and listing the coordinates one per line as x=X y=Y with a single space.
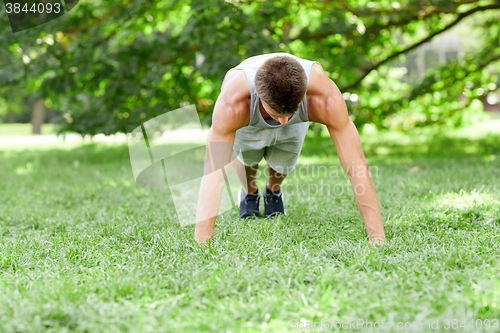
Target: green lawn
x=23 y=129
x=83 y=249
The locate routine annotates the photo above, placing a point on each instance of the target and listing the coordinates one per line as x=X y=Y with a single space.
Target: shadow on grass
x=93 y=153
x=385 y=145
x=438 y=144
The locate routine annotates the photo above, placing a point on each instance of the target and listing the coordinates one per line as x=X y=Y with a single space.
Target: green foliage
x=17 y=101
x=108 y=66
x=11 y=101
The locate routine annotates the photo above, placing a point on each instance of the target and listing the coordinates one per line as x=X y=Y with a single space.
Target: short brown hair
x=281 y=82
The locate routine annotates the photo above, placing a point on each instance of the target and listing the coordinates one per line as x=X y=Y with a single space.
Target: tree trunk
x=11 y=117
x=38 y=115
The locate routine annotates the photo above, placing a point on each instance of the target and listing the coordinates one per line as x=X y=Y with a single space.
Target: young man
x=264 y=108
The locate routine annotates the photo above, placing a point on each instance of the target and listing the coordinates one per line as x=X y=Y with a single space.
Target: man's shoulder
x=319 y=82
x=324 y=99
x=235 y=87
x=233 y=103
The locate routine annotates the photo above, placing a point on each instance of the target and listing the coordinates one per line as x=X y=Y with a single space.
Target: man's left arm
x=347 y=143
x=328 y=107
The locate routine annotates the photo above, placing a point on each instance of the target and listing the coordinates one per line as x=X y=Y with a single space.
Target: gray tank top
x=250 y=67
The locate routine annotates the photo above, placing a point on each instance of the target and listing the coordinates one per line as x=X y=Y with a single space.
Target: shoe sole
x=283 y=198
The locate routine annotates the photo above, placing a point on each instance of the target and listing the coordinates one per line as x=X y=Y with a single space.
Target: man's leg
x=251 y=172
x=249 y=176
x=273 y=194
x=282 y=156
x=274 y=179
x=248 y=202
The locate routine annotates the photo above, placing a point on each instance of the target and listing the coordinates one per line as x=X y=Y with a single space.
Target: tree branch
x=76 y=30
x=192 y=48
x=423 y=11
x=459 y=18
x=398 y=20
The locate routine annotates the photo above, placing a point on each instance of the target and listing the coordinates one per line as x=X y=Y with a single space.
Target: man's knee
x=280 y=171
x=252 y=167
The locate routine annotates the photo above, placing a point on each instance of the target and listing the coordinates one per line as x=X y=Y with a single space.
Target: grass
x=83 y=249
x=23 y=129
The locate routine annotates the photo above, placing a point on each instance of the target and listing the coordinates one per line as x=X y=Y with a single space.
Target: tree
x=11 y=103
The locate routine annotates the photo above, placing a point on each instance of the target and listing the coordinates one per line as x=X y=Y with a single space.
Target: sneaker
x=249 y=204
x=273 y=203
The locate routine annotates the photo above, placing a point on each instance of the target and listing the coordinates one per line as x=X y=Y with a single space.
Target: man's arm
x=231 y=112
x=328 y=107
x=219 y=148
x=347 y=143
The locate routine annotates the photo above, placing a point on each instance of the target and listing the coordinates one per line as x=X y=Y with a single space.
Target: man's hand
x=377 y=241
x=326 y=106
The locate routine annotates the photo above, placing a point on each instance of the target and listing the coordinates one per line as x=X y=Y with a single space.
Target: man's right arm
x=231 y=112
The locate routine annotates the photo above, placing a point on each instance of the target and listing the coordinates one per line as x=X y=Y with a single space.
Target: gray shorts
x=280 y=146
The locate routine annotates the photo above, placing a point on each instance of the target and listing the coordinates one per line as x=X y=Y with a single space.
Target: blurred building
x=445 y=47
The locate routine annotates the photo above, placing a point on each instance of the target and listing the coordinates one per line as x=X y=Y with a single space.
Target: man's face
x=280 y=118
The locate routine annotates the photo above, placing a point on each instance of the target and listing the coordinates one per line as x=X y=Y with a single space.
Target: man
x=264 y=108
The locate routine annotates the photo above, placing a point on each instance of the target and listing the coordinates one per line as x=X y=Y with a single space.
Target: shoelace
x=273 y=197
x=251 y=198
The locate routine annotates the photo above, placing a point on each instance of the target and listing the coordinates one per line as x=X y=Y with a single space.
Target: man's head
x=281 y=83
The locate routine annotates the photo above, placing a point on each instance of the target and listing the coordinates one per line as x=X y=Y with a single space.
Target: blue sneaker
x=273 y=203
x=249 y=204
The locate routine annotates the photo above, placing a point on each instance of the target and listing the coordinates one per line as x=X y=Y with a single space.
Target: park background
x=82 y=248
